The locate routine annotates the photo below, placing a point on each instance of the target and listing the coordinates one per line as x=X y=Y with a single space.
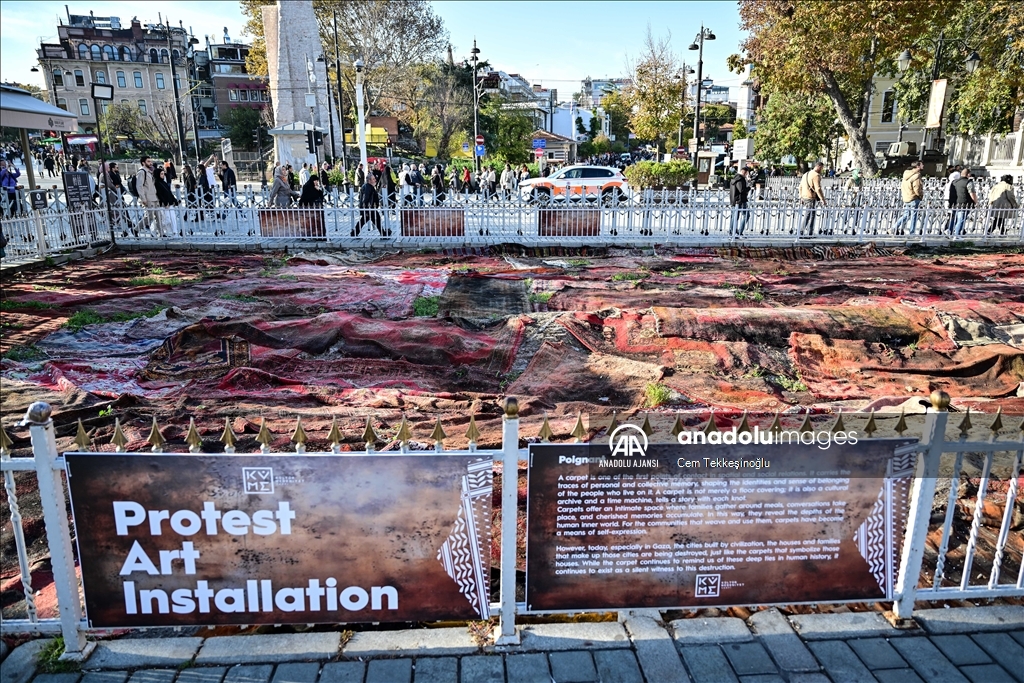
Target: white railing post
x=933 y=442
x=506 y=632
x=58 y=532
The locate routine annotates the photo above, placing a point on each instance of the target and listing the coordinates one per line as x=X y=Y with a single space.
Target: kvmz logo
x=258 y=479
x=623 y=442
x=708 y=585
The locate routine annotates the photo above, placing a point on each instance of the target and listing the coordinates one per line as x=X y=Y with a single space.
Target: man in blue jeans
x=965 y=198
x=913 y=192
x=738 y=191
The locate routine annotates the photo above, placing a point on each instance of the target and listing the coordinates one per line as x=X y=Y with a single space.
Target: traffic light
x=310 y=142
x=256 y=137
x=318 y=138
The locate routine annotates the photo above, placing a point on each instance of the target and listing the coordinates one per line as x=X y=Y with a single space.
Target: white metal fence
x=933 y=450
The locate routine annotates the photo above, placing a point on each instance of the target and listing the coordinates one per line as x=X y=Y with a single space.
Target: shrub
x=22 y=354
x=647 y=174
x=657 y=394
x=425 y=306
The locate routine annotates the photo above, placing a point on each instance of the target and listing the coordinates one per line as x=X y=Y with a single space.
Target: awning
x=86 y=140
x=19 y=109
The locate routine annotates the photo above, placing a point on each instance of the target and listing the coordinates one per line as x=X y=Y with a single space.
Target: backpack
x=132 y=187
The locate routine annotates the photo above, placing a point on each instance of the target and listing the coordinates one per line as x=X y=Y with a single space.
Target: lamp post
x=48 y=78
x=341 y=103
x=330 y=119
x=681 y=78
x=971 y=64
x=311 y=103
x=190 y=56
x=177 y=101
x=698 y=44
x=473 y=55
x=360 y=125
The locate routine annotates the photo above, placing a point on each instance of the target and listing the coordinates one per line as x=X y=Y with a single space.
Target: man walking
x=9 y=182
x=146 y=187
x=738 y=191
x=913 y=192
x=369 y=203
x=810 y=195
x=966 y=198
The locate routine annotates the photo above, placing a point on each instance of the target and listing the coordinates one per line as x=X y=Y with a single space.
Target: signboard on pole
x=540 y=143
x=226 y=152
x=77 y=194
x=465 y=147
x=539 y=153
x=479 y=139
x=168 y=540
x=936 y=104
x=629 y=525
x=38 y=199
x=481 y=151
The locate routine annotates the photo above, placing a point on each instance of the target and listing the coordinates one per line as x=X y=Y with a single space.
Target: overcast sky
x=556 y=44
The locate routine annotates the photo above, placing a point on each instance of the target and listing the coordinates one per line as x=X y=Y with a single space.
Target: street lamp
x=681 y=77
x=330 y=119
x=360 y=125
x=52 y=87
x=476 y=105
x=698 y=44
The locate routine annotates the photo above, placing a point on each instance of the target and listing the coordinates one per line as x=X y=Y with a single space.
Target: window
x=177 y=81
x=58 y=77
x=124 y=101
x=126 y=54
x=138 y=78
x=62 y=103
x=120 y=80
x=163 y=56
x=153 y=59
x=101 y=76
x=176 y=56
x=109 y=54
x=142 y=107
x=79 y=78
x=888 y=106
x=83 y=52
x=882 y=146
x=160 y=81
x=97 y=55
x=233 y=95
x=265 y=95
x=243 y=95
x=596 y=173
x=83 y=106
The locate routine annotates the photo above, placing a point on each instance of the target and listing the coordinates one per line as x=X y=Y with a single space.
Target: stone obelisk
x=293 y=45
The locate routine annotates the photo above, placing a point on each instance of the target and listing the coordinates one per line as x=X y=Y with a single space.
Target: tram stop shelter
x=19 y=109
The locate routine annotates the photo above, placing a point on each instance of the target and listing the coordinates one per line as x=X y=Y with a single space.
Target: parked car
x=576 y=183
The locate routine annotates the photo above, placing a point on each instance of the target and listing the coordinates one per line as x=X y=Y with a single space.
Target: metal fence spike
x=965 y=424
x=472 y=433
x=545 y=432
x=404 y=433
x=711 y=426
x=299 y=435
x=264 y=438
x=334 y=436
x=870 y=428
x=227 y=437
x=192 y=438
x=118 y=439
x=776 y=425
x=646 y=427
x=369 y=436
x=155 y=438
x=613 y=424
x=438 y=436
x=6 y=443
x=839 y=426
x=744 y=424
x=997 y=423
x=579 y=431
x=901 y=426
x=677 y=426
x=83 y=439
x=806 y=425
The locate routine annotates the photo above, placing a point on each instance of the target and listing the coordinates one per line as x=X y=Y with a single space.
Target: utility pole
x=476 y=105
x=698 y=44
x=177 y=101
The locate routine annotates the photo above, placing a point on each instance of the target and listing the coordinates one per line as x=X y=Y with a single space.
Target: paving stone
x=20 y=664
x=776 y=634
x=528 y=668
x=717 y=630
x=249 y=673
x=970 y=619
x=877 y=653
x=57 y=678
x=481 y=669
x=840 y=661
x=1005 y=650
x=762 y=678
x=153 y=676
x=961 y=650
x=707 y=664
x=438 y=641
x=105 y=677
x=1018 y=636
x=557 y=637
x=305 y=672
x=436 y=670
x=343 y=672
x=572 y=667
x=809 y=678
x=655 y=649
x=749 y=658
x=984 y=673
x=927 y=661
x=898 y=676
x=206 y=674
x=619 y=666
x=138 y=653
x=389 y=671
x=842 y=626
x=269 y=648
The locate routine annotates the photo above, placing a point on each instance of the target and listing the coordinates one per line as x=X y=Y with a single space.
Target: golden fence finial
x=613 y=424
x=940 y=400
x=155 y=438
x=744 y=424
x=404 y=433
x=511 y=408
x=194 y=441
x=711 y=426
x=299 y=436
x=264 y=438
x=227 y=437
x=965 y=424
x=839 y=426
x=870 y=428
x=369 y=436
x=806 y=425
x=677 y=426
x=545 y=432
x=83 y=439
x=997 y=423
x=646 y=427
x=776 y=425
x=5 y=443
x=472 y=433
x=334 y=436
x=579 y=431
x=438 y=436
x=119 y=439
x=901 y=426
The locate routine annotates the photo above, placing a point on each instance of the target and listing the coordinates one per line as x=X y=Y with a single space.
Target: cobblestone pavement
x=979 y=645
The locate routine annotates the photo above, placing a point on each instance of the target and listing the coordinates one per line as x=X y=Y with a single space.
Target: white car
x=577 y=182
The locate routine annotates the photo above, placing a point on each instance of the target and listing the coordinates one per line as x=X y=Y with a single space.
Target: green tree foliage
x=615 y=105
x=648 y=174
x=595 y=124
x=507 y=131
x=126 y=119
x=242 y=124
x=739 y=129
x=794 y=123
x=655 y=97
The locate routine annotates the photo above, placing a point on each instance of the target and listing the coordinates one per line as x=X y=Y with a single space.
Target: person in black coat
x=738 y=191
x=369 y=205
x=312 y=196
x=163 y=190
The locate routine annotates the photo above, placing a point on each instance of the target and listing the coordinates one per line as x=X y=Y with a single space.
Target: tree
x=126 y=119
x=813 y=47
x=614 y=104
x=242 y=124
x=595 y=125
x=739 y=129
x=794 y=123
x=507 y=131
x=655 y=97
x=580 y=128
x=602 y=144
x=434 y=103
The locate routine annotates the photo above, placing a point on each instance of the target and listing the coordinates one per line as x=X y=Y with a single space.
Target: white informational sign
x=743 y=149
x=936 y=103
x=225 y=151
